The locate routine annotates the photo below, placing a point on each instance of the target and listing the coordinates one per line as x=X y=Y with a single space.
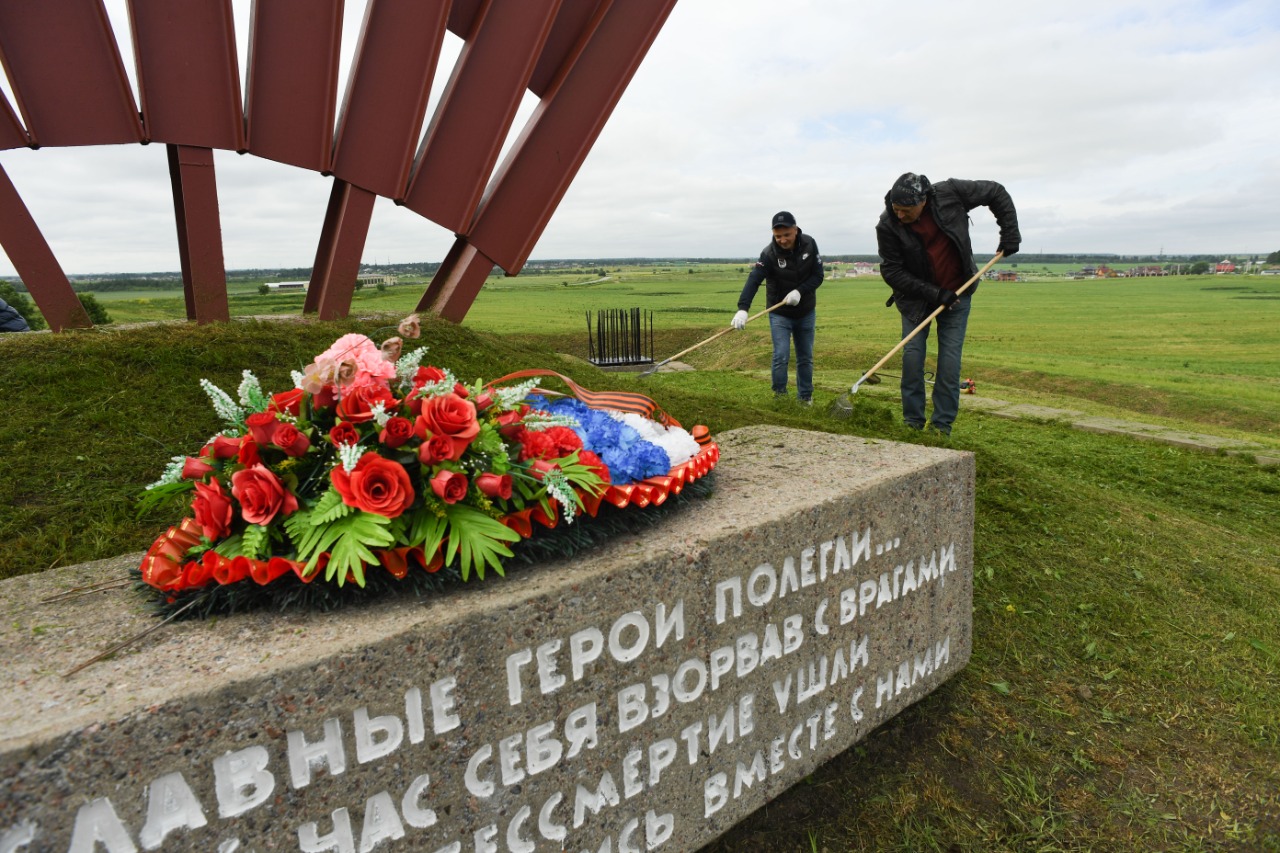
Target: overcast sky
x=1127 y=127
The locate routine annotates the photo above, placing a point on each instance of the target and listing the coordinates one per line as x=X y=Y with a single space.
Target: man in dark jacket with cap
x=926 y=256
x=792 y=269
x=11 y=320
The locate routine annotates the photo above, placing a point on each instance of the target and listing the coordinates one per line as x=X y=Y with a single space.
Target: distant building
x=1224 y=266
x=1143 y=272
x=287 y=285
x=376 y=278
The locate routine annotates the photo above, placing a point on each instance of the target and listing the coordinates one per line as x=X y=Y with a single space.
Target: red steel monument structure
x=67 y=75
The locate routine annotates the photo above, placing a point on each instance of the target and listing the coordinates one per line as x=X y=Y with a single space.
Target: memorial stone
x=646 y=695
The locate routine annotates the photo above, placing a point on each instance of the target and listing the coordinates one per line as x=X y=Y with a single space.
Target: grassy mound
x=1124 y=690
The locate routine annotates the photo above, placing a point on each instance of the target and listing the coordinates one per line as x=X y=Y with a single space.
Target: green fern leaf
x=329 y=508
x=477 y=540
x=161 y=495
x=256 y=542
x=428 y=530
x=348 y=541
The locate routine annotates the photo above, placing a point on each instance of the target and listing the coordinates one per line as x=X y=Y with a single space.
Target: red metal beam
x=195 y=210
x=293 y=80
x=575 y=22
x=346 y=227
x=188 y=75
x=477 y=109
x=559 y=136
x=463 y=14
x=37 y=267
x=387 y=93
x=67 y=77
x=457 y=283
x=12 y=135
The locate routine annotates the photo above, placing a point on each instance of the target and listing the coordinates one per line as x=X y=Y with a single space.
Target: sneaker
x=806 y=401
x=910 y=425
x=944 y=431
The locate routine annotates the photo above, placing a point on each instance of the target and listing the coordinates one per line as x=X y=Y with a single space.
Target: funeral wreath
x=376 y=465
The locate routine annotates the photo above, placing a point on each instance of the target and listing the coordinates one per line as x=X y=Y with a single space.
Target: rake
x=843 y=404
x=654 y=369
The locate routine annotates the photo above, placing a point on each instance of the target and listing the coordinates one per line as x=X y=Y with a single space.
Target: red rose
x=595 y=463
x=435 y=449
x=344 y=433
x=397 y=431
x=427 y=374
x=461 y=390
x=212 y=509
x=261 y=425
x=535 y=444
x=261 y=495
x=248 y=455
x=195 y=469
x=222 y=447
x=565 y=440
x=375 y=485
x=453 y=417
x=356 y=405
x=509 y=424
x=483 y=400
x=287 y=401
x=495 y=486
x=540 y=468
x=449 y=486
x=323 y=398
x=290 y=439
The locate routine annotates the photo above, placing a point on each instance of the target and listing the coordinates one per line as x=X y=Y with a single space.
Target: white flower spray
x=223 y=405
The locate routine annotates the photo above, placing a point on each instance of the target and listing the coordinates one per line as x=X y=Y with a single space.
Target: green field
x=1184 y=350
x=1124 y=689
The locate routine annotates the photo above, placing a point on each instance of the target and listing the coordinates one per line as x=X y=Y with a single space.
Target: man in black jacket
x=925 y=256
x=11 y=320
x=792 y=268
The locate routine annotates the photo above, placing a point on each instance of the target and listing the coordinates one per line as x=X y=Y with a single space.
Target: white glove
x=792 y=298
x=739 y=320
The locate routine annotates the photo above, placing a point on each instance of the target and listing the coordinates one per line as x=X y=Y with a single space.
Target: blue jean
x=951 y=325
x=784 y=330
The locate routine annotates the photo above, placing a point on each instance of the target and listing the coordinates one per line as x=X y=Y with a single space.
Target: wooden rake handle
x=926 y=321
x=710 y=339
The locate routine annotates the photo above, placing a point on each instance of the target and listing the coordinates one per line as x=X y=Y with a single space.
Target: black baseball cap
x=783 y=219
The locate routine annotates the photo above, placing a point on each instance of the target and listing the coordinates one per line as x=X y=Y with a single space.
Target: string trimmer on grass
x=843 y=405
x=654 y=369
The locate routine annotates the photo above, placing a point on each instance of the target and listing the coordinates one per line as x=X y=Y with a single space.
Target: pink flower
x=353 y=361
x=410 y=327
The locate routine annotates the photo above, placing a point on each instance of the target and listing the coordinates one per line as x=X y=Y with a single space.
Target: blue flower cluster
x=620 y=447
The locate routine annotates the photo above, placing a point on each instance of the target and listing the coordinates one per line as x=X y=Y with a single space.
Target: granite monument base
x=644 y=696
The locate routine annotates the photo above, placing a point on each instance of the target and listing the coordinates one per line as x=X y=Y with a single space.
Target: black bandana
x=909 y=190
